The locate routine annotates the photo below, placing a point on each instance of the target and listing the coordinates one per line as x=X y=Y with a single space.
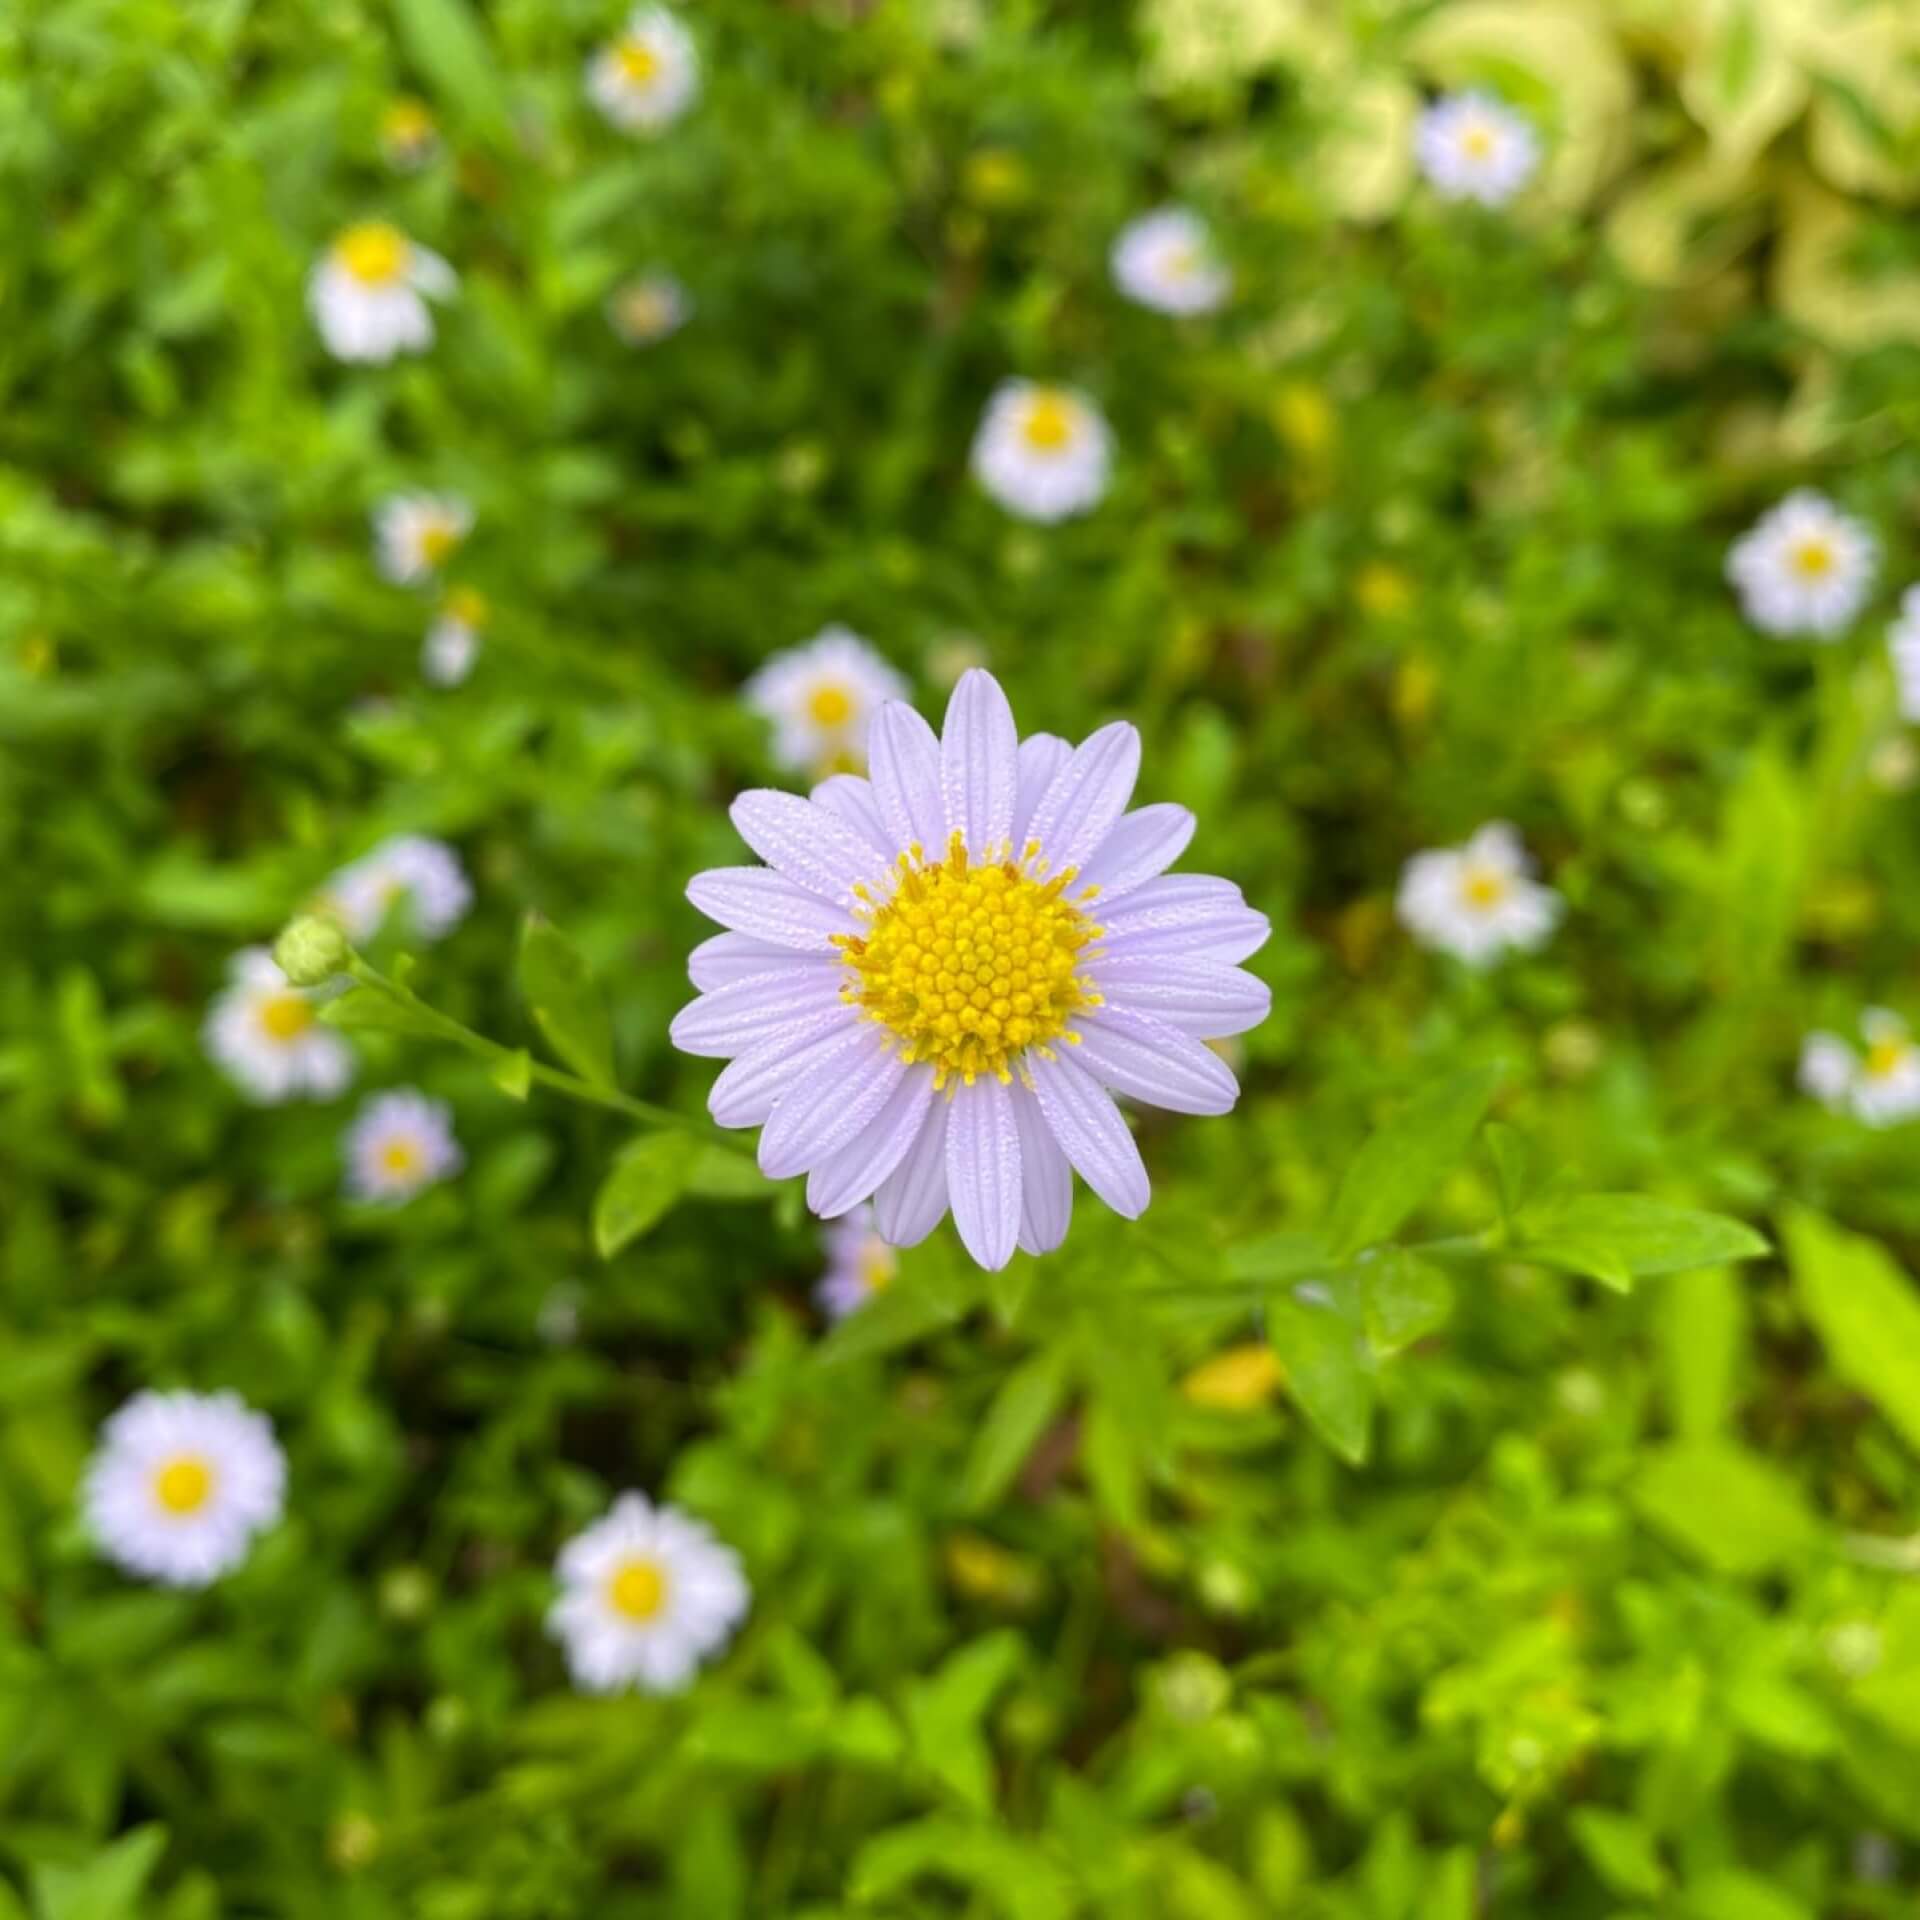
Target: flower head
x=935 y=986
x=1804 y=568
x=416 y=534
x=859 y=1264
x=1903 y=648
x=647 y=78
x=644 y=310
x=180 y=1484
x=399 y=1144
x=265 y=1034
x=821 y=698
x=409 y=140
x=368 y=293
x=1879 y=1083
x=1477 y=901
x=1166 y=260
x=1043 y=452
x=1471 y=146
x=645 y=1596
x=453 y=641
x=425 y=875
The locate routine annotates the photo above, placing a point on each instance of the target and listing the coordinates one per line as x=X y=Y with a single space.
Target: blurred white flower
x=1477 y=901
x=1166 y=260
x=368 y=293
x=1471 y=146
x=645 y=1596
x=1804 y=568
x=1903 y=648
x=1043 y=452
x=416 y=534
x=424 y=874
x=453 y=641
x=647 y=308
x=399 y=1144
x=265 y=1035
x=859 y=1264
x=821 y=697
x=1879 y=1083
x=180 y=1484
x=649 y=76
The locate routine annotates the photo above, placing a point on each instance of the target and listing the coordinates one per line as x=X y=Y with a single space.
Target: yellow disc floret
x=970 y=965
x=638 y=1590
x=183 y=1484
x=374 y=253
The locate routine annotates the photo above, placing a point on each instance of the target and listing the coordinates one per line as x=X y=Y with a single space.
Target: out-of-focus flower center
x=466 y=606
x=285 y=1016
x=1049 y=422
x=639 y=64
x=969 y=965
x=878 y=1265
x=1184 y=261
x=1886 y=1057
x=407 y=125
x=374 y=253
x=1813 y=559
x=400 y=1159
x=645 y=312
x=438 y=538
x=183 y=1485
x=830 y=704
x=638 y=1590
x=1477 y=141
x=1483 y=888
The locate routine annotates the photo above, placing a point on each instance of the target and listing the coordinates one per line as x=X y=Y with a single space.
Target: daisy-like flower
x=1879 y=1083
x=424 y=874
x=453 y=641
x=265 y=1034
x=409 y=140
x=1804 y=568
x=821 y=698
x=368 y=293
x=416 y=534
x=646 y=1595
x=181 y=1483
x=644 y=310
x=1903 y=648
x=1166 y=260
x=1477 y=901
x=935 y=986
x=1043 y=452
x=859 y=1265
x=399 y=1144
x=647 y=78
x=1471 y=146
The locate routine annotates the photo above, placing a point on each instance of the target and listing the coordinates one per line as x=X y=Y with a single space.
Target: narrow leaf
x=446 y=43
x=565 y=1004
x=647 y=1179
x=1621 y=1237
x=1028 y=1399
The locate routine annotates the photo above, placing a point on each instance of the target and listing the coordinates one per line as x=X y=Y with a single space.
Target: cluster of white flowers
x=1878 y=1082
x=1478 y=901
x=1471 y=146
x=1804 y=569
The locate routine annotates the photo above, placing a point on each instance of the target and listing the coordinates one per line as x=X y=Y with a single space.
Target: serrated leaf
x=1404 y=1298
x=565 y=1004
x=1617 y=1238
x=1027 y=1401
x=647 y=1181
x=1327 y=1378
x=368 y=1010
x=1403 y=1161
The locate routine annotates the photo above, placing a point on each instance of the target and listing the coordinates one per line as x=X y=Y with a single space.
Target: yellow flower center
x=638 y=1590
x=1813 y=559
x=830 y=704
x=374 y=253
x=877 y=1266
x=967 y=966
x=407 y=124
x=1885 y=1057
x=1483 y=887
x=438 y=538
x=285 y=1016
x=639 y=64
x=400 y=1158
x=466 y=606
x=1477 y=142
x=645 y=312
x=182 y=1485
x=1049 y=423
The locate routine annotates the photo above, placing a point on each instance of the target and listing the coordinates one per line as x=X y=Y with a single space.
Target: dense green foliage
x=1567 y=1573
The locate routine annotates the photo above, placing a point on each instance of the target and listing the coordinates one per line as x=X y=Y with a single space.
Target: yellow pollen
x=1477 y=142
x=638 y=1590
x=1049 y=423
x=401 y=1158
x=1482 y=887
x=374 y=253
x=830 y=704
x=285 y=1016
x=639 y=64
x=877 y=1266
x=182 y=1485
x=467 y=607
x=1885 y=1057
x=968 y=966
x=438 y=538
x=1813 y=559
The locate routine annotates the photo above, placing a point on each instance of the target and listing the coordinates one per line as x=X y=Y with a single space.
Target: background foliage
x=1617 y=1616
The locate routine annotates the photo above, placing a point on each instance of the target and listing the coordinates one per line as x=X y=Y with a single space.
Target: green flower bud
x=311 y=951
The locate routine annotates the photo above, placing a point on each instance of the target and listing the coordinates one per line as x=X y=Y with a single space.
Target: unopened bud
x=311 y=951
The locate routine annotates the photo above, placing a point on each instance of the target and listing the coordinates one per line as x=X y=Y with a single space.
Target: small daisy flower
x=1477 y=901
x=400 y=1143
x=409 y=140
x=647 y=308
x=424 y=874
x=1804 y=568
x=453 y=641
x=368 y=293
x=180 y=1484
x=645 y=1596
x=1043 y=452
x=859 y=1265
x=1903 y=648
x=1165 y=260
x=1879 y=1083
x=1471 y=146
x=265 y=1034
x=647 y=78
x=821 y=698
x=416 y=534
x=933 y=991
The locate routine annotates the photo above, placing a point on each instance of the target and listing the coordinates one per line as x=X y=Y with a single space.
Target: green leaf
x=724 y=1173
x=1617 y=1238
x=648 y=1178
x=512 y=1073
x=447 y=45
x=107 y=1887
x=1866 y=1312
x=1280 y=1256
x=566 y=1005
x=1326 y=1374
x=1621 y=1851
x=368 y=1010
x=1702 y=1330
x=907 y=1311
x=1404 y=1298
x=1725 y=1506
x=1407 y=1158
x=1028 y=1399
